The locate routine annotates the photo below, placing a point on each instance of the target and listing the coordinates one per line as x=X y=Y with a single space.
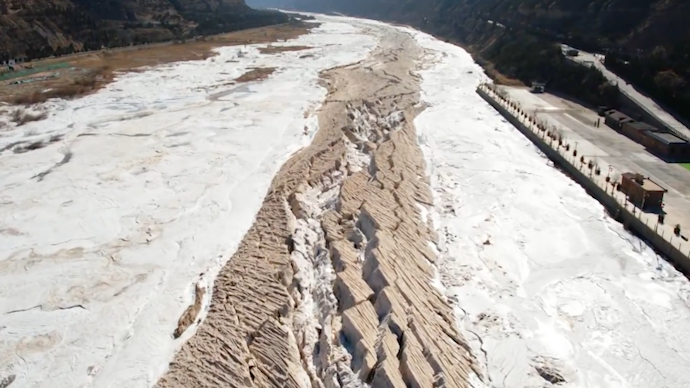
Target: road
x=627 y=89
x=611 y=148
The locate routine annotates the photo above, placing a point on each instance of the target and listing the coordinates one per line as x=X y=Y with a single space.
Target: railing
x=562 y=147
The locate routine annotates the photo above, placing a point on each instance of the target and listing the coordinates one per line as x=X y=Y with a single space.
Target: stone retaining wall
x=672 y=254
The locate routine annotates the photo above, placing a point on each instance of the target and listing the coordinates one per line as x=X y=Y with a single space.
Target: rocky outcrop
x=332 y=286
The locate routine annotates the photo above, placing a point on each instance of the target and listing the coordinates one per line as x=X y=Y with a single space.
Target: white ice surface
x=167 y=170
x=538 y=271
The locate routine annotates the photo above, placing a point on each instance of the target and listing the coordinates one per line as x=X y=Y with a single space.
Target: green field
x=25 y=72
x=686 y=165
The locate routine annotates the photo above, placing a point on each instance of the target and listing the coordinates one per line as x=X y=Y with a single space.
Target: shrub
x=78 y=87
x=21 y=117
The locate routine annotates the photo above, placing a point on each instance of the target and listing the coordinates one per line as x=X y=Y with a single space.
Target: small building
x=636 y=130
x=647 y=141
x=667 y=144
x=616 y=119
x=642 y=191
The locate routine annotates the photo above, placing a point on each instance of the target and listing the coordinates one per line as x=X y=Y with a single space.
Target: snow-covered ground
x=142 y=190
x=146 y=188
x=541 y=277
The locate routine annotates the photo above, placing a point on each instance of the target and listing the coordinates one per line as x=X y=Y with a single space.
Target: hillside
x=632 y=23
x=38 y=28
x=647 y=39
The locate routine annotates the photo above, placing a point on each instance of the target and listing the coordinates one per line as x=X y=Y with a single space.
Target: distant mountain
x=39 y=28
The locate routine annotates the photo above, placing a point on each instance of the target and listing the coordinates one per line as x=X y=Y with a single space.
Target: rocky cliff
x=39 y=28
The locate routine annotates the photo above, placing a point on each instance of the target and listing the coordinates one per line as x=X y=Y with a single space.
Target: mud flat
x=332 y=285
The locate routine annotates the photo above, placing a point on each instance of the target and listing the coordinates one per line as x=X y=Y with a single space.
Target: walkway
x=665 y=230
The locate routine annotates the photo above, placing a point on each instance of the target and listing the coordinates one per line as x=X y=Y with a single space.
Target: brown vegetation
x=21 y=117
x=191 y=313
x=282 y=49
x=495 y=75
x=83 y=85
x=256 y=74
x=102 y=66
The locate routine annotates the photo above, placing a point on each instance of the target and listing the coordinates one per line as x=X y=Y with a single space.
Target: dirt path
x=332 y=285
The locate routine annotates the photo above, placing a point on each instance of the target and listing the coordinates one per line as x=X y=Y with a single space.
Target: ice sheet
x=539 y=274
x=149 y=184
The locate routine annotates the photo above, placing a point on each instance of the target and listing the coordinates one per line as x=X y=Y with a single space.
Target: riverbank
x=646 y=225
x=546 y=286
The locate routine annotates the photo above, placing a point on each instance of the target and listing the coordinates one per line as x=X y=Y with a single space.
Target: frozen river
x=542 y=278
x=145 y=189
